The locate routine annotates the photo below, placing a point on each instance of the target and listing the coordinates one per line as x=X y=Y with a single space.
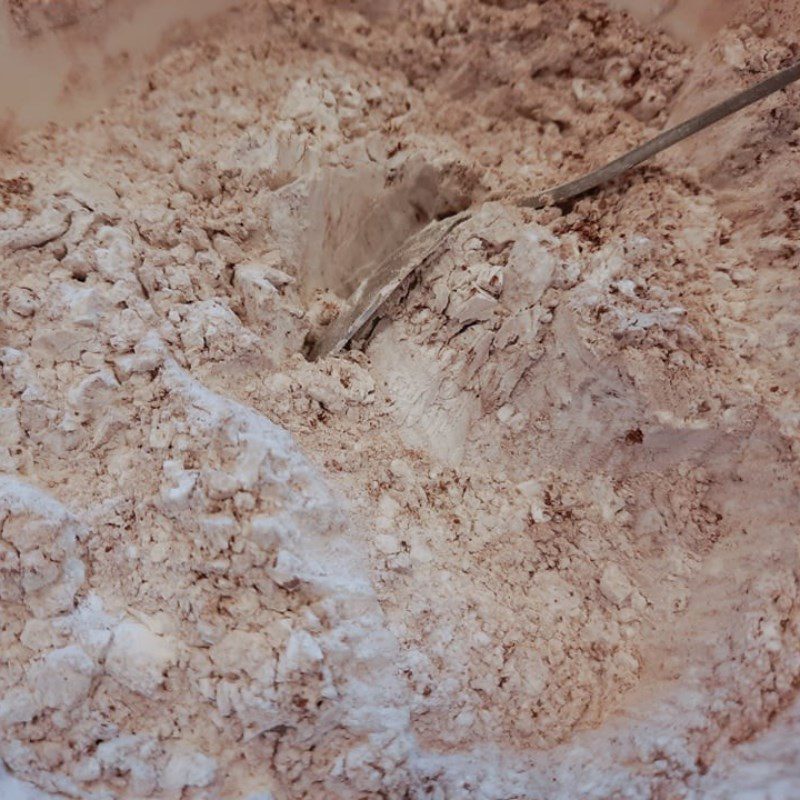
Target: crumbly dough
x=534 y=536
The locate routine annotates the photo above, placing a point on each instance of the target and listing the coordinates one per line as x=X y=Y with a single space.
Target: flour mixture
x=534 y=536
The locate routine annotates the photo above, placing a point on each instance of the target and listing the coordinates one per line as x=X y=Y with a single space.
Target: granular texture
x=535 y=535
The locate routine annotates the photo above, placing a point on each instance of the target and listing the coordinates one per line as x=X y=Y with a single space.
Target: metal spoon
x=419 y=249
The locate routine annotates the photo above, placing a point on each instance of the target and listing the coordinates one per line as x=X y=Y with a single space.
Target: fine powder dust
x=535 y=535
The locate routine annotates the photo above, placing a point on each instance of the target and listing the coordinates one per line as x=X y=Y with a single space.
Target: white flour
x=534 y=536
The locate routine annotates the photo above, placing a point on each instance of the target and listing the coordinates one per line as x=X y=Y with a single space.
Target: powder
x=534 y=535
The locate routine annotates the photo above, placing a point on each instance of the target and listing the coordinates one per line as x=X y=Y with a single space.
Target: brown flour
x=534 y=536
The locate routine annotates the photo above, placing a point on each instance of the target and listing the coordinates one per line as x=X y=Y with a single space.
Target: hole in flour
x=339 y=224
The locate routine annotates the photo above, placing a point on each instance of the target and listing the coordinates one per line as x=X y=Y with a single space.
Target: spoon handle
x=566 y=191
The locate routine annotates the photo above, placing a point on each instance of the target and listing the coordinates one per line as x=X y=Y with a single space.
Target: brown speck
x=634 y=436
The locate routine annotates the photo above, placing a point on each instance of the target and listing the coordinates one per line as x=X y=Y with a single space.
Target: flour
x=534 y=535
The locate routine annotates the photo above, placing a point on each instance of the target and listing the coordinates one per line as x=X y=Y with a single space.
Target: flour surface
x=534 y=536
